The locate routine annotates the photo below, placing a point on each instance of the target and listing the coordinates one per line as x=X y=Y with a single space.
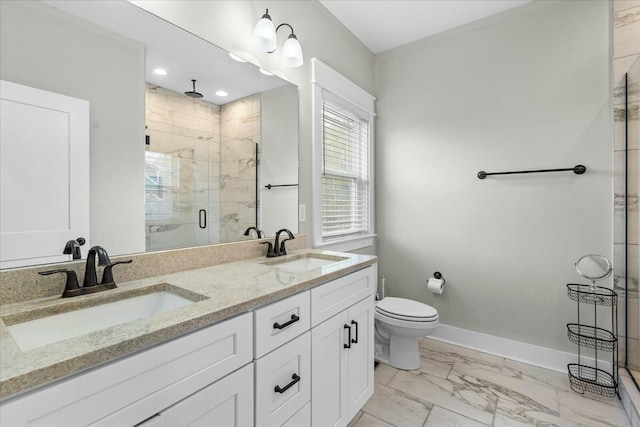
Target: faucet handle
x=283 y=249
x=72 y=247
x=107 y=274
x=270 y=253
x=70 y=285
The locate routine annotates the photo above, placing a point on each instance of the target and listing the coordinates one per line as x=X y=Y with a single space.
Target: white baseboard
x=543 y=357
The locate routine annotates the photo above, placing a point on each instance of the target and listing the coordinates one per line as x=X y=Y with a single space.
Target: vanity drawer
x=287 y=369
x=333 y=297
x=129 y=390
x=302 y=418
x=281 y=321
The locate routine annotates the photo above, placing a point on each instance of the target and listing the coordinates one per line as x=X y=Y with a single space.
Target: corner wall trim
x=543 y=357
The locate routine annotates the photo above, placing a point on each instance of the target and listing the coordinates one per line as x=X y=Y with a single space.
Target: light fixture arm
x=284 y=23
x=290 y=35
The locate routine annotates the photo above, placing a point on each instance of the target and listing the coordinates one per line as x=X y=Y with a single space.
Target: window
x=343 y=190
x=161 y=178
x=345 y=172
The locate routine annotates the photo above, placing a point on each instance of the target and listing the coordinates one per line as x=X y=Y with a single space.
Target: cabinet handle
x=348 y=344
x=202 y=218
x=295 y=378
x=355 y=341
x=293 y=320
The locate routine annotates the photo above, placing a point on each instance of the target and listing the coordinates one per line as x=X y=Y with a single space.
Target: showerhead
x=193 y=93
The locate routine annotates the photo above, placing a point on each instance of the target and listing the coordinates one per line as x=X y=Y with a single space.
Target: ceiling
x=183 y=55
x=384 y=24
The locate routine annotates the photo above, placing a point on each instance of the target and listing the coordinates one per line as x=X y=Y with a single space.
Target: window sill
x=346 y=245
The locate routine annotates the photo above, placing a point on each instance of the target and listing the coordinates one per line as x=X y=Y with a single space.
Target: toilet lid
x=402 y=308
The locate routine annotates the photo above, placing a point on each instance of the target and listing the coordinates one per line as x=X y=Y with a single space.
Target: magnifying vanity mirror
x=167 y=170
x=593 y=267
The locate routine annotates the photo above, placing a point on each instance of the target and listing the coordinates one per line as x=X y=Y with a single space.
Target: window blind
x=345 y=172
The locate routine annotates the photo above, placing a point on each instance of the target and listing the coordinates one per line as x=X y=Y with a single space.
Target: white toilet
x=399 y=322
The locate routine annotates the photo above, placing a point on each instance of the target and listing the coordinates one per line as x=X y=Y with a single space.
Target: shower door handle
x=202 y=218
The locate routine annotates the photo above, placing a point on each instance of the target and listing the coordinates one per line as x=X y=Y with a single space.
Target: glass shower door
x=627 y=234
x=182 y=179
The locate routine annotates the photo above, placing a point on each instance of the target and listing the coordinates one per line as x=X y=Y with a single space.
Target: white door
x=361 y=355
x=226 y=403
x=44 y=168
x=328 y=372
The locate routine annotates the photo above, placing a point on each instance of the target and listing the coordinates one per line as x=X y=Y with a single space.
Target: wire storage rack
x=582 y=377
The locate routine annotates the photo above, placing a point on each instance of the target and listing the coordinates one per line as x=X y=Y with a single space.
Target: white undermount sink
x=306 y=262
x=57 y=327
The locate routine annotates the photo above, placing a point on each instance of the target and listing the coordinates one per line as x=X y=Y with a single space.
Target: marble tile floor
x=457 y=386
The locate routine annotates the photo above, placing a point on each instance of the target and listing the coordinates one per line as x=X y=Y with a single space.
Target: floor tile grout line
x=377 y=418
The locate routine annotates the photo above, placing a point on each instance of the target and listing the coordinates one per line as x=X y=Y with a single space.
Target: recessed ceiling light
x=265 y=72
x=160 y=72
x=221 y=93
x=237 y=58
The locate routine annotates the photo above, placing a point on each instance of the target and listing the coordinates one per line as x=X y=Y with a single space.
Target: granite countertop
x=221 y=292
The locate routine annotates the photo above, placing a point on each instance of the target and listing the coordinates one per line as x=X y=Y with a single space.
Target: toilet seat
x=407 y=310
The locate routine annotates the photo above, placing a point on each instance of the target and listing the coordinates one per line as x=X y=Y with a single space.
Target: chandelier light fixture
x=264 y=39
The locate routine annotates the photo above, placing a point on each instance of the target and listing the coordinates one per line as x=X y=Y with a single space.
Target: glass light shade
x=291 y=55
x=264 y=35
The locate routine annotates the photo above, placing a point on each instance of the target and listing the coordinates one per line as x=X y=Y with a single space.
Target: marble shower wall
x=182 y=170
x=626 y=37
x=240 y=130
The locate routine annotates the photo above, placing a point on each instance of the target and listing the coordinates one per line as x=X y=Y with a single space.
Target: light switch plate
x=302 y=213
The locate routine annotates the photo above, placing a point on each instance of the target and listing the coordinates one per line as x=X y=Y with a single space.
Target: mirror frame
x=594 y=278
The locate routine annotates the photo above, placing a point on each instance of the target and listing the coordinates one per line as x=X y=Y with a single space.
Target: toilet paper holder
x=438 y=275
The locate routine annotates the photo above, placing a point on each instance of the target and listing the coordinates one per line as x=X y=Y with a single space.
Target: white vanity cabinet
x=329 y=369
x=342 y=347
x=305 y=360
x=130 y=390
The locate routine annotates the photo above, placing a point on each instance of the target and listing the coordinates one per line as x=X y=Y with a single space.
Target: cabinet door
x=225 y=403
x=328 y=370
x=360 y=355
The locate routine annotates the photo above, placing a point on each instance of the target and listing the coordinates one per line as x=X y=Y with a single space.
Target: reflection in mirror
x=200 y=177
x=593 y=267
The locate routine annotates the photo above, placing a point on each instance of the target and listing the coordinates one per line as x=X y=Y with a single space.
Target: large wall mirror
x=167 y=169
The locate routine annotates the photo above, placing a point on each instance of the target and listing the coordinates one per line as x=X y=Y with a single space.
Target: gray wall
x=53 y=51
x=229 y=24
x=278 y=161
x=525 y=89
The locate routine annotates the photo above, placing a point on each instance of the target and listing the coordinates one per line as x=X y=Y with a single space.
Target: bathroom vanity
x=283 y=342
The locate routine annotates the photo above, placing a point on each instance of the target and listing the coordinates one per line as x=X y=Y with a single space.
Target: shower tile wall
x=240 y=131
x=182 y=170
x=626 y=36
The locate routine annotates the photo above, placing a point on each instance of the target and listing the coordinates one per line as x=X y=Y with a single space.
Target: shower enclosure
x=200 y=169
x=626 y=222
